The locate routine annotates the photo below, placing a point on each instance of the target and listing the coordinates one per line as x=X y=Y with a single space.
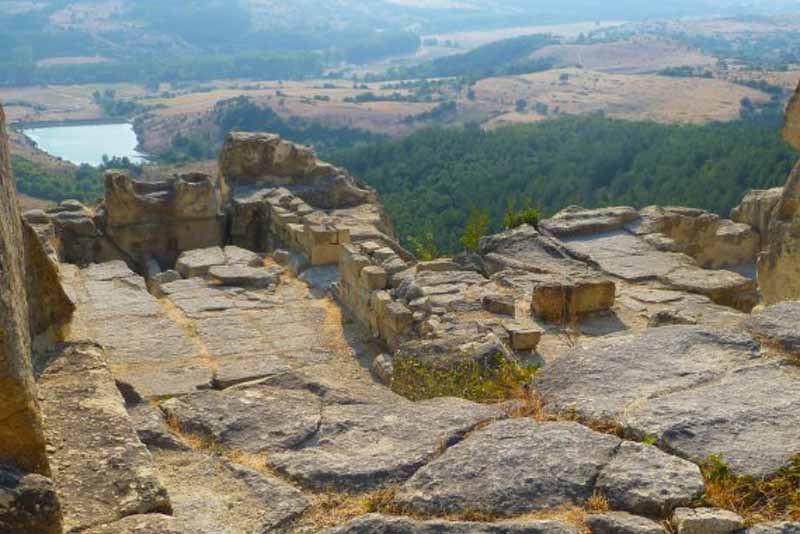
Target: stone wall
x=21 y=438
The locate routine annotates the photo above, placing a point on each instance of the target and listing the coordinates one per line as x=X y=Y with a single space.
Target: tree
x=476 y=228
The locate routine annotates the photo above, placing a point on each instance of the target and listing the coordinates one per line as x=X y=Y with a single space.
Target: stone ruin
x=215 y=353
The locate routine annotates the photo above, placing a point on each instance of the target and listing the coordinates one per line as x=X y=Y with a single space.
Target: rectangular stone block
x=563 y=301
x=524 y=337
x=374 y=278
x=398 y=317
x=499 y=304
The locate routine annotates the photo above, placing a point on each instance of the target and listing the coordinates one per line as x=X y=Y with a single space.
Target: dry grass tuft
x=756 y=500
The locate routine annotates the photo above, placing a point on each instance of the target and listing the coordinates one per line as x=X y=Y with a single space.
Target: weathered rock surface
x=779 y=264
x=622 y=523
x=574 y=221
x=101 y=469
x=756 y=209
x=21 y=437
x=257 y=159
x=163 y=219
x=143 y=524
x=716 y=395
x=198 y=262
x=212 y=495
x=778 y=324
x=791 y=129
x=244 y=276
x=365 y=445
x=252 y=419
x=28 y=504
x=706 y=521
x=510 y=468
x=645 y=481
x=137 y=331
x=379 y=524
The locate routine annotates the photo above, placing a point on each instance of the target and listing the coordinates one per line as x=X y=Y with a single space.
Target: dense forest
x=501 y=58
x=432 y=180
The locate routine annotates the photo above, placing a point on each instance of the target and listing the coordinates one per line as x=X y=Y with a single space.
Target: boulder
x=778 y=325
x=162 y=219
x=574 y=221
x=779 y=264
x=756 y=209
x=622 y=523
x=706 y=521
x=510 y=468
x=725 y=288
x=21 y=438
x=244 y=276
x=144 y=524
x=198 y=262
x=28 y=504
x=381 y=524
x=240 y=256
x=266 y=160
x=791 y=129
x=643 y=480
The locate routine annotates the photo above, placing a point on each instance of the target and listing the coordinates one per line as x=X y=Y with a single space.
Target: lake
x=87 y=143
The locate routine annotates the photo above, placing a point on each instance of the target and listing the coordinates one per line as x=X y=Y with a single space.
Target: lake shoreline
x=121 y=142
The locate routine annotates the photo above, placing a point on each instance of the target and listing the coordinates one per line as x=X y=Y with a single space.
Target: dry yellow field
x=635 y=97
x=636 y=56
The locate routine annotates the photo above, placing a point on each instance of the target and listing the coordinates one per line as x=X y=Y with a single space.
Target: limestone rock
x=152 y=430
x=778 y=324
x=622 y=523
x=510 y=468
x=380 y=524
x=716 y=396
x=21 y=438
x=574 y=220
x=198 y=262
x=726 y=288
x=562 y=300
x=645 y=481
x=791 y=129
x=362 y=446
x=28 y=504
x=253 y=419
x=162 y=219
x=244 y=276
x=144 y=524
x=266 y=160
x=756 y=209
x=239 y=256
x=706 y=521
x=779 y=264
x=85 y=412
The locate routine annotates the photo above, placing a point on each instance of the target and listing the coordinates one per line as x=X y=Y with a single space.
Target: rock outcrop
x=21 y=436
x=227 y=361
x=28 y=502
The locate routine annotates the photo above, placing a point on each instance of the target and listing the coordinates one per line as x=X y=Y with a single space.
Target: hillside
x=430 y=180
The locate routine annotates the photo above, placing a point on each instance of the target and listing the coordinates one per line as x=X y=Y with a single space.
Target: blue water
x=89 y=143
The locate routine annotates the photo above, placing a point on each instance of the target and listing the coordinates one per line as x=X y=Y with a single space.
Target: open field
x=635 y=97
x=474 y=39
x=635 y=56
x=57 y=103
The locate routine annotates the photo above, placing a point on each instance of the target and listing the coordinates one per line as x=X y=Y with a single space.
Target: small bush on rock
x=495 y=381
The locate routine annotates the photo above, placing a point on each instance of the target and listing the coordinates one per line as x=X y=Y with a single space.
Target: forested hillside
x=432 y=180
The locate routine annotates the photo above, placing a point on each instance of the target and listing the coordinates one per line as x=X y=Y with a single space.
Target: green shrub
x=487 y=382
x=424 y=247
x=515 y=218
x=477 y=227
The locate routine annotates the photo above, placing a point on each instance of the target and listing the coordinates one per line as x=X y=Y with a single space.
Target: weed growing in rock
x=773 y=499
x=494 y=381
